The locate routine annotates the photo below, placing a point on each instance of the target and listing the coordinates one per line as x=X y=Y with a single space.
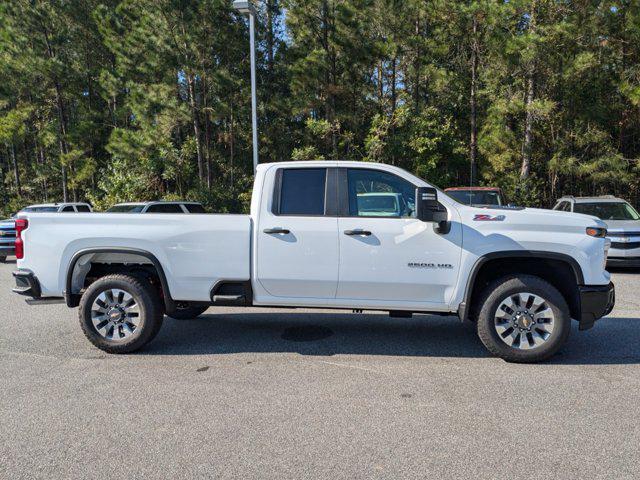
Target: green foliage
x=121 y=100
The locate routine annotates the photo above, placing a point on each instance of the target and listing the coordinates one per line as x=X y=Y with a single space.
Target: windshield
x=126 y=209
x=608 y=210
x=40 y=209
x=475 y=197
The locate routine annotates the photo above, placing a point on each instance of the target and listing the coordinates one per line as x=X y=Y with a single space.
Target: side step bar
x=229 y=300
x=44 y=301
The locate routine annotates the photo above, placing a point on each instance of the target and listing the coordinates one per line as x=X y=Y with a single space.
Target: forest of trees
x=118 y=100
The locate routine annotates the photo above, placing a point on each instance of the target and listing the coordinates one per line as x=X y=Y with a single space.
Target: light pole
x=247 y=8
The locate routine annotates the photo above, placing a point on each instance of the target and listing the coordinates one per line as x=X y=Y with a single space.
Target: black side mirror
x=426 y=203
x=428 y=209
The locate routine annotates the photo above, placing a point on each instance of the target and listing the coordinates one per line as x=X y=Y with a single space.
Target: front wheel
x=120 y=313
x=523 y=319
x=3 y=258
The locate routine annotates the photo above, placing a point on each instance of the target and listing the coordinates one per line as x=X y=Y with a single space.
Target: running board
x=229 y=300
x=44 y=301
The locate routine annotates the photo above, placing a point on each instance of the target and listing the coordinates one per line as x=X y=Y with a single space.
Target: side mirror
x=428 y=209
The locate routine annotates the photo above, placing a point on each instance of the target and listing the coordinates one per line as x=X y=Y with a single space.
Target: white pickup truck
x=520 y=274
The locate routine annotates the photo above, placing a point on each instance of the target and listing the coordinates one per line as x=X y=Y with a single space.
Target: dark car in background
x=7 y=238
x=477 y=196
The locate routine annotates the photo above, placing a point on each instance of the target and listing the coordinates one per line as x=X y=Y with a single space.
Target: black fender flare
x=73 y=299
x=463 y=309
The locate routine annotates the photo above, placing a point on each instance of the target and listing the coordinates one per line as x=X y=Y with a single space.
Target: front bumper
x=623 y=261
x=596 y=301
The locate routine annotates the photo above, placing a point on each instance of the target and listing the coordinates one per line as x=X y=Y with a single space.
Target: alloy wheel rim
x=115 y=315
x=524 y=321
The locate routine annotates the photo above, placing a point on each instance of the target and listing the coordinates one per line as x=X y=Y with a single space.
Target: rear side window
x=165 y=208
x=302 y=191
x=68 y=208
x=195 y=208
x=83 y=208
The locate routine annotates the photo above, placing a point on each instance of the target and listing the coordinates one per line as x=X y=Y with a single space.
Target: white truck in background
x=520 y=274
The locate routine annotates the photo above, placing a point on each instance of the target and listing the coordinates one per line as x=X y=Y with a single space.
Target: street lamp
x=247 y=8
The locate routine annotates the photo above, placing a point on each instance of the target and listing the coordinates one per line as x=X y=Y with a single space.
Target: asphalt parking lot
x=305 y=394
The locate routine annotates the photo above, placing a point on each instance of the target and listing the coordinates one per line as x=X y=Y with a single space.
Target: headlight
x=597 y=232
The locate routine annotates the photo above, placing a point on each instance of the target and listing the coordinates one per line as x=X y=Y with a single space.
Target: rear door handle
x=358 y=231
x=276 y=230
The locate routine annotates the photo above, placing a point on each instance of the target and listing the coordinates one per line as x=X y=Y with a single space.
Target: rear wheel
x=120 y=313
x=185 y=312
x=523 y=319
x=3 y=258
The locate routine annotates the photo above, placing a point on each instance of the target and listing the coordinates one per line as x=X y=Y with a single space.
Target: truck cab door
x=387 y=256
x=297 y=237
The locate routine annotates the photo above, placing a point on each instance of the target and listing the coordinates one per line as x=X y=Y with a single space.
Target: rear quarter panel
x=195 y=250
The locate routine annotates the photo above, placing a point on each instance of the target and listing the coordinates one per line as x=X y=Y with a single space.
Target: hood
x=623 y=226
x=527 y=218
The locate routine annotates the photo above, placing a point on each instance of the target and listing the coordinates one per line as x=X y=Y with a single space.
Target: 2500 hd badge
x=429 y=265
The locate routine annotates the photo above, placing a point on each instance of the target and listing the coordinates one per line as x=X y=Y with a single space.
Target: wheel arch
x=493 y=265
x=73 y=298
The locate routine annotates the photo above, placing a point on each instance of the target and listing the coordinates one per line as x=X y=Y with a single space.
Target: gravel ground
x=263 y=394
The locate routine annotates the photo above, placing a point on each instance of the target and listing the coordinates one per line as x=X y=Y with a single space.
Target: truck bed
x=195 y=250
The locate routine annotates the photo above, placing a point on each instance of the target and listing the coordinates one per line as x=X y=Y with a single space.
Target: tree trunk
x=231 y=146
x=528 y=129
x=330 y=77
x=16 y=172
x=416 y=67
x=207 y=135
x=41 y=161
x=196 y=124
x=473 y=107
x=272 y=6
x=527 y=144
x=61 y=120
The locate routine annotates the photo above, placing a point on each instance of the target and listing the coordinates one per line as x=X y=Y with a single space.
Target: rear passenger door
x=297 y=239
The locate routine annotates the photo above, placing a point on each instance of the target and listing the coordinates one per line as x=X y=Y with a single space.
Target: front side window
x=608 y=210
x=83 y=208
x=302 y=191
x=375 y=193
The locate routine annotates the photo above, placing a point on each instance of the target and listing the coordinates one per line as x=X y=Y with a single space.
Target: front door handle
x=358 y=231
x=276 y=230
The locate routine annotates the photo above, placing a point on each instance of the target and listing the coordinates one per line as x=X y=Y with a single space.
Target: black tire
x=3 y=258
x=149 y=305
x=491 y=300
x=187 y=313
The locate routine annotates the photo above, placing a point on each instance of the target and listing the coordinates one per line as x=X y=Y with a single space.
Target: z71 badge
x=483 y=217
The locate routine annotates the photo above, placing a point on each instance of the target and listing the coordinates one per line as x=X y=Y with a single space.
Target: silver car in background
x=623 y=225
